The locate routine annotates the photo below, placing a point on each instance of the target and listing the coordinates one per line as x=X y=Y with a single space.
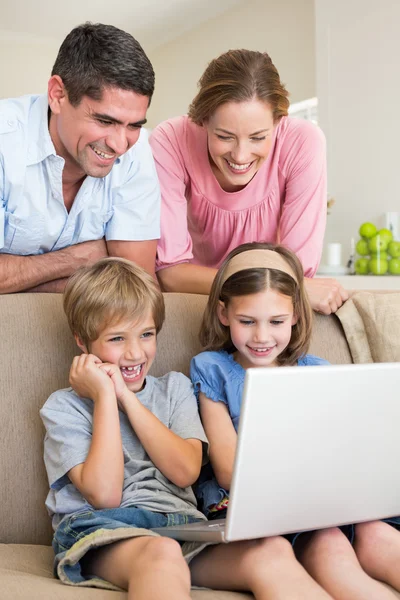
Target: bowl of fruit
x=377 y=252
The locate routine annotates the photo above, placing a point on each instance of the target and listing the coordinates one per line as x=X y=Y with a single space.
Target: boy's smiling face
x=130 y=345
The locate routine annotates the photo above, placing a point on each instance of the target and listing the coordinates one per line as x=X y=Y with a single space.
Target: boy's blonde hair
x=111 y=290
x=216 y=336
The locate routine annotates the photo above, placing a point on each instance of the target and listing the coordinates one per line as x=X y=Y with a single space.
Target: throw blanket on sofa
x=371 y=323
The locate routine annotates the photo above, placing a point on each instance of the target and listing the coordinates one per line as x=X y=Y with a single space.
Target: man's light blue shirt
x=124 y=205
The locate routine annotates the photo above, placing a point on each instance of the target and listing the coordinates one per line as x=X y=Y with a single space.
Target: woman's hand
x=325 y=295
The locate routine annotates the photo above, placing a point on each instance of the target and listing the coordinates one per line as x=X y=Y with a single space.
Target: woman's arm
x=174 y=250
x=185 y=277
x=303 y=218
x=222 y=438
x=100 y=478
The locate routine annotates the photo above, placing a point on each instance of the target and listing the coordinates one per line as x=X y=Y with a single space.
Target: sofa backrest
x=37 y=347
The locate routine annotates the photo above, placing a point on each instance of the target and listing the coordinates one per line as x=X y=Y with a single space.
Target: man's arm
x=22 y=273
x=142 y=253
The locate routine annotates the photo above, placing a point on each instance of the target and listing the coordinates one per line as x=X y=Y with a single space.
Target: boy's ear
x=80 y=344
x=222 y=313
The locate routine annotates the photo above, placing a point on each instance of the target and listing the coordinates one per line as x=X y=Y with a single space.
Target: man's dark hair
x=96 y=56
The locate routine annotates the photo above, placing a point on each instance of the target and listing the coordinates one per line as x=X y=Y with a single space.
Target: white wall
x=358 y=86
x=25 y=63
x=284 y=29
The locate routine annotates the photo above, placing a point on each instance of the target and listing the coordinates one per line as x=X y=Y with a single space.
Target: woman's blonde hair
x=239 y=76
x=111 y=290
x=216 y=336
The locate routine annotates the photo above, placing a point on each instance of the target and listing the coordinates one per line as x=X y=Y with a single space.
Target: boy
x=122 y=449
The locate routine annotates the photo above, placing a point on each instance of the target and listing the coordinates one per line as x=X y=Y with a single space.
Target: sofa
x=37 y=348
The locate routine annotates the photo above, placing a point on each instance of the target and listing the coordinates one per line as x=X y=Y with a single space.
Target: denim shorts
x=84 y=531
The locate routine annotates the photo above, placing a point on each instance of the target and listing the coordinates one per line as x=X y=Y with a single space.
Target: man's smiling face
x=91 y=136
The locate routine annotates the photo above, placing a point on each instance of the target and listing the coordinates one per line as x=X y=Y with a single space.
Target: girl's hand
x=88 y=380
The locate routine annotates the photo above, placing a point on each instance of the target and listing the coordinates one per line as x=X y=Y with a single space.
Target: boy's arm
x=100 y=478
x=179 y=460
x=222 y=438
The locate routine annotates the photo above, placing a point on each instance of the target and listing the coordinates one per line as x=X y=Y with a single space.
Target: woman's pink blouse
x=285 y=201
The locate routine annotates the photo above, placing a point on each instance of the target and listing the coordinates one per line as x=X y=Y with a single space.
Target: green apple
x=367 y=230
x=362 y=247
x=378 y=266
x=361 y=266
x=377 y=244
x=394 y=266
x=382 y=255
x=386 y=233
x=394 y=249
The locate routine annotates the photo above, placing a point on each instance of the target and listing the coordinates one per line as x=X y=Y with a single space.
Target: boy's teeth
x=132 y=370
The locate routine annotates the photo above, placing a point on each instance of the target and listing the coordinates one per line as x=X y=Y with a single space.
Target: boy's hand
x=114 y=373
x=88 y=380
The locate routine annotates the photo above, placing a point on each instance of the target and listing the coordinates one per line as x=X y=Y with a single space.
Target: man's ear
x=56 y=93
x=222 y=313
x=80 y=344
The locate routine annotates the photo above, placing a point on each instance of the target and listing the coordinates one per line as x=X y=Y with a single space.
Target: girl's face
x=260 y=326
x=239 y=141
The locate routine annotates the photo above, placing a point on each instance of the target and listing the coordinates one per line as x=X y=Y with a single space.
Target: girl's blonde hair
x=239 y=76
x=111 y=290
x=216 y=336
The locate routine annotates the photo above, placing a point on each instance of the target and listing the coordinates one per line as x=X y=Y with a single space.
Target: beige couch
x=36 y=349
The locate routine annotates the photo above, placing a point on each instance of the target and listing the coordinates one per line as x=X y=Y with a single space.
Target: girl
x=258 y=315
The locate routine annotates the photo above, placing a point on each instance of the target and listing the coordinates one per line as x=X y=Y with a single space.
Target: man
x=77 y=178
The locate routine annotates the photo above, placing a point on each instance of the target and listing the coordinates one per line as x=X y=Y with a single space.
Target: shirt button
x=10 y=123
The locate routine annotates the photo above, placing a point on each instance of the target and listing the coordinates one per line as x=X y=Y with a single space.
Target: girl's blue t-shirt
x=219 y=377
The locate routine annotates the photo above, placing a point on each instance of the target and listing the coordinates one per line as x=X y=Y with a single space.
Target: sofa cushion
x=26 y=572
x=372 y=326
x=37 y=347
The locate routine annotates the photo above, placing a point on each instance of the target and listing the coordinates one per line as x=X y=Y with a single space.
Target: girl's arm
x=100 y=478
x=178 y=460
x=222 y=438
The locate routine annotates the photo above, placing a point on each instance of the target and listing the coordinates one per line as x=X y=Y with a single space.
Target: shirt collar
x=40 y=143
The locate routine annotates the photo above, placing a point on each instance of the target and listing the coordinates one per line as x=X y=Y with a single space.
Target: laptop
x=317 y=447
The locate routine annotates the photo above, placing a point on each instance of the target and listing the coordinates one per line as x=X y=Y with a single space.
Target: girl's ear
x=295 y=318
x=80 y=344
x=222 y=313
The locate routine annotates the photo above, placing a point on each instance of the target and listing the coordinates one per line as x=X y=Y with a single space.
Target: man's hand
x=88 y=380
x=88 y=253
x=326 y=295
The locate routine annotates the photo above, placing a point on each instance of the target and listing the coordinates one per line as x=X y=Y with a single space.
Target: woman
x=237 y=169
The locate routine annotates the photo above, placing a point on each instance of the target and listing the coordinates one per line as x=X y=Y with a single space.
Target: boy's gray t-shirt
x=68 y=421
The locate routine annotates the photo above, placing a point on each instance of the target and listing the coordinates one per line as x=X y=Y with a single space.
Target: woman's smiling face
x=239 y=141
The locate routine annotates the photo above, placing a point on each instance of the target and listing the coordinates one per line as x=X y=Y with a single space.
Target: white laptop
x=317 y=447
